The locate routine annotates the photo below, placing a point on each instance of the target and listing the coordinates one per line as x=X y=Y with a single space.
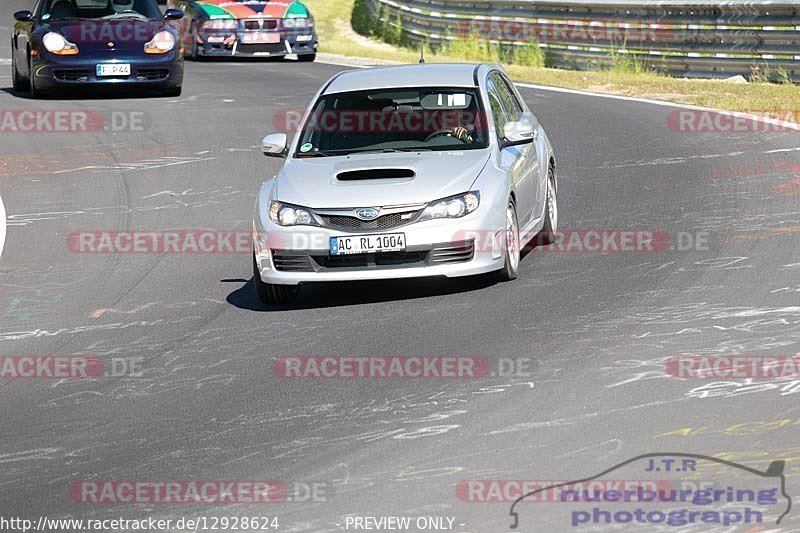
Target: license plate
x=261 y=37
x=368 y=244
x=114 y=69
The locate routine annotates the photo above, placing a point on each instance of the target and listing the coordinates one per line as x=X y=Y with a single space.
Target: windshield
x=100 y=9
x=394 y=120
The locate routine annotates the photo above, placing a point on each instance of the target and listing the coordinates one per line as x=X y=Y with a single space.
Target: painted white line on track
x=749 y=116
x=2 y=226
x=662 y=103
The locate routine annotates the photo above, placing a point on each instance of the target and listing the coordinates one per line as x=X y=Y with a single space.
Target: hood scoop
x=375 y=174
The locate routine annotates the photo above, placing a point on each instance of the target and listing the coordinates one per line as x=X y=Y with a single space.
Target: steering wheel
x=441 y=132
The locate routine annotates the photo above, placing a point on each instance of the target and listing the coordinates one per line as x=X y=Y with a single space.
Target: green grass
x=625 y=75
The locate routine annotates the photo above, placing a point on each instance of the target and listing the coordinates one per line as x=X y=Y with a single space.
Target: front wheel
x=307 y=57
x=32 y=89
x=511 y=245
x=173 y=91
x=269 y=294
x=16 y=80
x=548 y=234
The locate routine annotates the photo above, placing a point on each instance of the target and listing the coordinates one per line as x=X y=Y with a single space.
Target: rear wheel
x=511 y=245
x=307 y=57
x=548 y=233
x=270 y=294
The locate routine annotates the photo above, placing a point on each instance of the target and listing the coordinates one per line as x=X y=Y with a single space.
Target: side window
x=498 y=111
x=507 y=97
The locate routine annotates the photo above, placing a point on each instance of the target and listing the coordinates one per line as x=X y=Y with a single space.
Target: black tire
x=269 y=294
x=548 y=234
x=195 y=47
x=172 y=91
x=307 y=58
x=32 y=89
x=511 y=246
x=20 y=84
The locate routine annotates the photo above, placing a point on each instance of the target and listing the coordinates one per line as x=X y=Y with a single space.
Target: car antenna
x=422 y=54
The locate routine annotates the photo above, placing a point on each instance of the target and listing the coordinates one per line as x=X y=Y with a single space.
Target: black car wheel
x=511 y=245
x=172 y=91
x=269 y=294
x=19 y=83
x=32 y=89
x=195 y=48
x=307 y=57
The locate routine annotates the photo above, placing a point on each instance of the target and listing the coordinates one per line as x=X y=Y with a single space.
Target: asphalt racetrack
x=596 y=328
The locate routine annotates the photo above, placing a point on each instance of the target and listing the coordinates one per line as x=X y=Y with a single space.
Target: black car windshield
x=394 y=120
x=99 y=9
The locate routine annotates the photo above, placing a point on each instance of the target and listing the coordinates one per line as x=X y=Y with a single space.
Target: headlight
x=452 y=207
x=55 y=42
x=290 y=215
x=300 y=22
x=161 y=43
x=220 y=24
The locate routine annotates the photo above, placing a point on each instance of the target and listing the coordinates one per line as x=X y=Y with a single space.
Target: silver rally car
x=404 y=172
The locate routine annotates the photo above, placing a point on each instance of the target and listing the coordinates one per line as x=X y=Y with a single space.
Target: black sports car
x=74 y=43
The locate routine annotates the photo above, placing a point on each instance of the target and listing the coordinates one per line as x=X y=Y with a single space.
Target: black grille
x=291 y=262
x=381 y=260
x=72 y=75
x=455 y=252
x=271 y=48
x=268 y=24
x=383 y=222
x=152 y=74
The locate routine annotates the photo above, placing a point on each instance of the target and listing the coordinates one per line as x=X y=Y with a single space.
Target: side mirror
x=23 y=16
x=275 y=145
x=520 y=132
x=173 y=14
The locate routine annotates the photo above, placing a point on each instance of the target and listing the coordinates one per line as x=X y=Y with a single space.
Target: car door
x=521 y=161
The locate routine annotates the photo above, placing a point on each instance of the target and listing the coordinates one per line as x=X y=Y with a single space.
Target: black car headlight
x=453 y=206
x=290 y=215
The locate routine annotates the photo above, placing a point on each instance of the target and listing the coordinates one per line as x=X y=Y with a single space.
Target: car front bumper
x=446 y=248
x=225 y=44
x=74 y=72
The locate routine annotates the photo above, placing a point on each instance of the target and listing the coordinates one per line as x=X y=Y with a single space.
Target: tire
x=511 y=245
x=20 y=84
x=195 y=47
x=172 y=91
x=32 y=89
x=307 y=58
x=548 y=234
x=269 y=294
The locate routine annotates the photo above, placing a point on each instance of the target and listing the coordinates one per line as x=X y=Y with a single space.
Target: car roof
x=406 y=76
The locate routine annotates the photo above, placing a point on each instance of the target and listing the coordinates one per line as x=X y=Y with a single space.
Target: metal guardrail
x=693 y=38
